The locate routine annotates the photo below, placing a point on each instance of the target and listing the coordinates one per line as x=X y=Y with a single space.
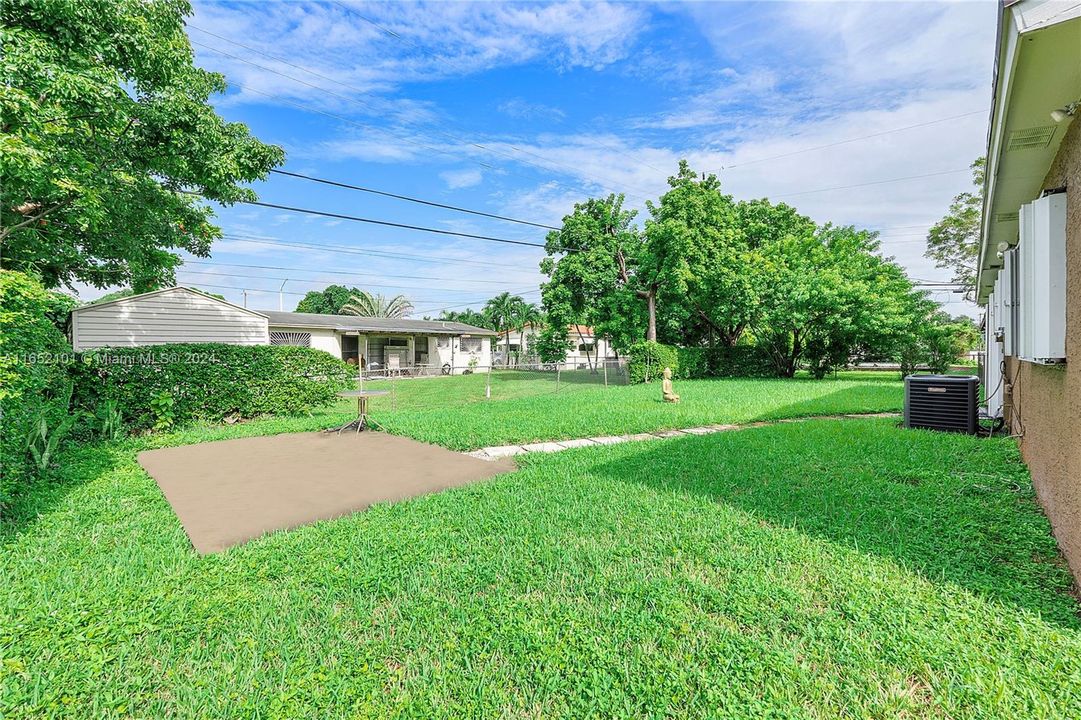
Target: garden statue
x=666 y=387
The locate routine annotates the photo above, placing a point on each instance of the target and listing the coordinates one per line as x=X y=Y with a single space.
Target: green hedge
x=649 y=359
x=165 y=384
x=33 y=375
x=739 y=361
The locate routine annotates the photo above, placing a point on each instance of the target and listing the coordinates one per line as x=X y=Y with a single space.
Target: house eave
x=1033 y=39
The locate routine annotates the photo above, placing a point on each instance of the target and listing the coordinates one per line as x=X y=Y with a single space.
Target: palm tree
x=368 y=304
x=503 y=309
x=528 y=314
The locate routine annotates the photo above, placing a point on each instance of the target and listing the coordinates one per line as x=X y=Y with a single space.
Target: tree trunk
x=582 y=341
x=506 y=349
x=651 y=304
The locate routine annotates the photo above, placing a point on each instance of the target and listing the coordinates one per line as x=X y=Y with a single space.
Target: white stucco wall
x=462 y=357
x=175 y=315
x=324 y=339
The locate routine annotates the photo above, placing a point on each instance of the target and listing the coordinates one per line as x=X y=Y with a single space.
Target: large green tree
x=706 y=272
x=110 y=145
x=592 y=269
x=328 y=301
x=831 y=300
x=954 y=241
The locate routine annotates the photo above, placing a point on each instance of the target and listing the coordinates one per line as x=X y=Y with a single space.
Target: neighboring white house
x=183 y=315
x=586 y=348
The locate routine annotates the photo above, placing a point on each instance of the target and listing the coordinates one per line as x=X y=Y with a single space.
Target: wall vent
x=941 y=402
x=282 y=337
x=1031 y=138
x=1006 y=217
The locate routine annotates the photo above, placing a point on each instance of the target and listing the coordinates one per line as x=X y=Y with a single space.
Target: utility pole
x=245 y=291
x=281 y=296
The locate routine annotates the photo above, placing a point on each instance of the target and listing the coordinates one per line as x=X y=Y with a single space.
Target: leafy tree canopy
x=328 y=301
x=699 y=255
x=468 y=316
x=591 y=265
x=954 y=241
x=111 y=146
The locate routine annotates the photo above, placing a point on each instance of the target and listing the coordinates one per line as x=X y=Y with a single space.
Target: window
x=471 y=344
x=351 y=350
x=442 y=341
x=300 y=339
x=587 y=347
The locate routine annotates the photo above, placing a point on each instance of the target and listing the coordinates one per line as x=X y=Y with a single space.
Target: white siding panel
x=173 y=316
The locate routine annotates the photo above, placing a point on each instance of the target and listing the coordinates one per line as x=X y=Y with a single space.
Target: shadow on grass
x=848 y=400
x=956 y=509
x=77 y=467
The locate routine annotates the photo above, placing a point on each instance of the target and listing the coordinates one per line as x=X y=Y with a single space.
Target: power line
x=407 y=198
x=387 y=223
x=318 y=281
x=849 y=140
x=396 y=36
x=374 y=253
x=300 y=294
x=339 y=272
x=875 y=182
x=513 y=147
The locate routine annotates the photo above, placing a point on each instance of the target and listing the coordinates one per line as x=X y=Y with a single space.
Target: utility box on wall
x=1042 y=280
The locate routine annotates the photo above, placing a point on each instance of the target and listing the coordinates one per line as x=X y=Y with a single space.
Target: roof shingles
x=355 y=323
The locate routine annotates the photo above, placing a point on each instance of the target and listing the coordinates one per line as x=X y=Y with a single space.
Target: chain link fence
x=449 y=385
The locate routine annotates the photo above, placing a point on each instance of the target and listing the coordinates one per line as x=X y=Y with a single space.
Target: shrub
x=749 y=361
x=693 y=363
x=33 y=379
x=649 y=359
x=155 y=387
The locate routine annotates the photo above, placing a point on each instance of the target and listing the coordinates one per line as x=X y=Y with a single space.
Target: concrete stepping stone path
x=503 y=451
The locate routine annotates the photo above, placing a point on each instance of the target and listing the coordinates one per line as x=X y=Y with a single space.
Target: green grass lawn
x=528 y=407
x=825 y=569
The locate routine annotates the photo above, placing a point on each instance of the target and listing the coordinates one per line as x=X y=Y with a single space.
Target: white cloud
x=521 y=109
x=456 y=179
x=347 y=56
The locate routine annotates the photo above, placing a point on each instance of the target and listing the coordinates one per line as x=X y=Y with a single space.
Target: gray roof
x=369 y=324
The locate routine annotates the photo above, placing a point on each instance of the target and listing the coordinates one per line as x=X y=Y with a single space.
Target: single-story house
x=184 y=315
x=586 y=348
x=1030 y=253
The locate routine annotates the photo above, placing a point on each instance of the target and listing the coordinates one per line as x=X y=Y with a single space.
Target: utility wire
x=323 y=281
x=442 y=260
x=849 y=140
x=875 y=182
x=342 y=273
x=407 y=198
x=399 y=37
x=520 y=150
x=387 y=223
x=301 y=294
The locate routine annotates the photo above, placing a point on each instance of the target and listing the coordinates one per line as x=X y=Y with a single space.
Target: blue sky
x=523 y=110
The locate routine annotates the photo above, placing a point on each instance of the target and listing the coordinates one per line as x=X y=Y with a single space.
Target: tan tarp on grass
x=226 y=493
